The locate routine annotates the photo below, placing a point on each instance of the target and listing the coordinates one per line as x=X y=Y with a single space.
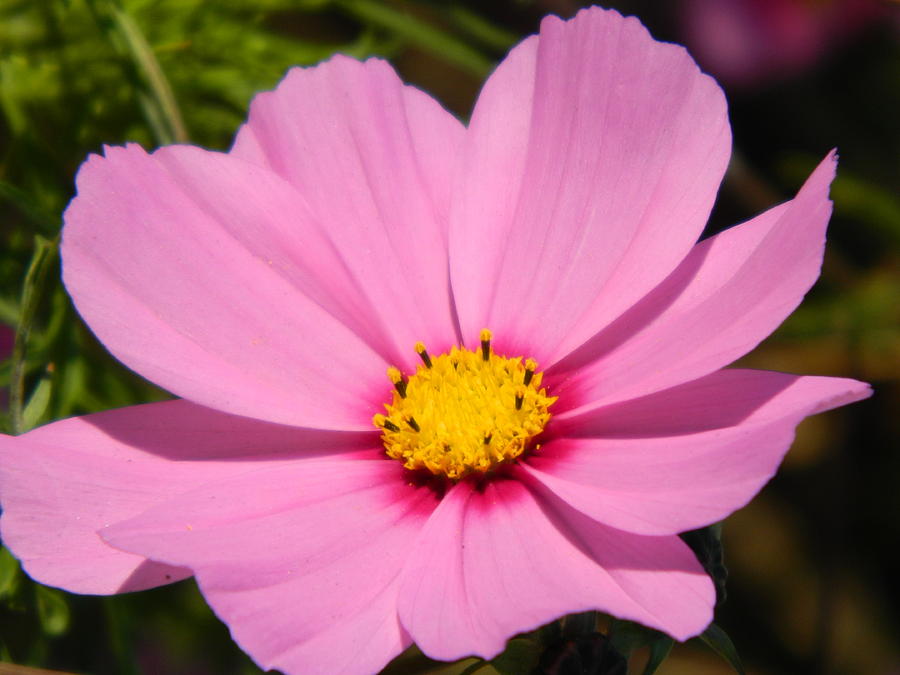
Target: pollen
x=464 y=412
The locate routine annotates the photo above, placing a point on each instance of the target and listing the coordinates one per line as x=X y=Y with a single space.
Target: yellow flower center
x=464 y=412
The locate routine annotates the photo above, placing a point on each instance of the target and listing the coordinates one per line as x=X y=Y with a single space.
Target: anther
x=452 y=416
x=397 y=378
x=384 y=423
x=486 y=336
x=530 y=367
x=423 y=354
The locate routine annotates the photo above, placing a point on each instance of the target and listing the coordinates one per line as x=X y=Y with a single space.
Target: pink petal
x=590 y=167
x=500 y=560
x=301 y=561
x=685 y=457
x=206 y=274
x=62 y=482
x=729 y=293
x=374 y=160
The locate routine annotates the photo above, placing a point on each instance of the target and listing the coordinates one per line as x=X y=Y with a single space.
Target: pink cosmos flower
x=538 y=468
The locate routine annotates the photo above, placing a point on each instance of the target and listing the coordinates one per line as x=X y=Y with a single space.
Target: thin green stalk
x=421 y=33
x=155 y=95
x=482 y=30
x=149 y=67
x=32 y=289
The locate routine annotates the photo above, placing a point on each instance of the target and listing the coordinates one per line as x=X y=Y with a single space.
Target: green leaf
x=477 y=667
x=718 y=640
x=9 y=573
x=414 y=662
x=53 y=610
x=706 y=543
x=626 y=636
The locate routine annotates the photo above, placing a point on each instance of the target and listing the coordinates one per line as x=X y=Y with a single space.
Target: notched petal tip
x=687 y=456
x=855 y=391
x=563 y=168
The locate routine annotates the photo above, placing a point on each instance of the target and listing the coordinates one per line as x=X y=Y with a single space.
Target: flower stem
x=32 y=288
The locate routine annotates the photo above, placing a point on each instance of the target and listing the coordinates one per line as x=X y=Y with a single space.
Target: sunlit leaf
x=9 y=311
x=9 y=572
x=38 y=403
x=53 y=610
x=414 y=662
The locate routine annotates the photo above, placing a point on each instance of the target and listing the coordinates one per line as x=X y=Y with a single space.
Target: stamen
x=452 y=415
x=397 y=378
x=384 y=423
x=486 y=336
x=423 y=354
x=530 y=367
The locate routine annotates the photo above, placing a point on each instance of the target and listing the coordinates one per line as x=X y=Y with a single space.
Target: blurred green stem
x=479 y=28
x=748 y=186
x=174 y=130
x=28 y=206
x=44 y=253
x=158 y=101
x=420 y=33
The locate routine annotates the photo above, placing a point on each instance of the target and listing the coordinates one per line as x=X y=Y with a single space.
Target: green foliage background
x=812 y=568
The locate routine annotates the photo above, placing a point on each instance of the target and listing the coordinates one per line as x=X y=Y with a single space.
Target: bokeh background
x=814 y=583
